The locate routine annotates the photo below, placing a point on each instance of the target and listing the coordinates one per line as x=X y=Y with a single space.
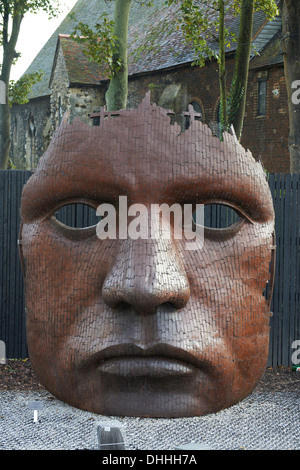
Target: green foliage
x=101 y=45
x=20 y=90
x=11 y=17
x=269 y=7
x=152 y=45
x=148 y=3
x=18 y=8
x=237 y=91
x=200 y=22
x=204 y=26
x=14 y=7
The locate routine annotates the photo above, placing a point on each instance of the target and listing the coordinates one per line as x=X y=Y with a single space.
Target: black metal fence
x=12 y=316
x=284 y=324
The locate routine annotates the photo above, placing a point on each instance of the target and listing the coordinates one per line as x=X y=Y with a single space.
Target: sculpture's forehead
x=144 y=157
x=146 y=154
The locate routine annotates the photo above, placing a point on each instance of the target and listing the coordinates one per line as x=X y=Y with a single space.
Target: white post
x=2 y=353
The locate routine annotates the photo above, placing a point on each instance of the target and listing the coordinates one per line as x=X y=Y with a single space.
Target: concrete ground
x=263 y=421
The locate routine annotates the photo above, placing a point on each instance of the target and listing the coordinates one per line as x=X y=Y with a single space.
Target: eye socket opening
x=221 y=221
x=76 y=220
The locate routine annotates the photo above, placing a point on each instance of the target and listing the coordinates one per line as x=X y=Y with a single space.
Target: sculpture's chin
x=184 y=393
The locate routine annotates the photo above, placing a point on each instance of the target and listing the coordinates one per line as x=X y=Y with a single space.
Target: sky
x=36 y=29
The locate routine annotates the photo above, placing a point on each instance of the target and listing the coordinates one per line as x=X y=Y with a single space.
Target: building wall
x=266 y=136
x=79 y=101
x=30 y=132
x=196 y=84
x=59 y=85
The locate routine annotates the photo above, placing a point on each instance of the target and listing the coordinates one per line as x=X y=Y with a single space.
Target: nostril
x=123 y=306
x=170 y=305
x=144 y=300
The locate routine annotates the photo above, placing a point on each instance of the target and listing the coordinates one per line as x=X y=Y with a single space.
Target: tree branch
x=5 y=24
x=17 y=20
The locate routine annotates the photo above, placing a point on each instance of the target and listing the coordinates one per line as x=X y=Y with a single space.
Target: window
x=197 y=107
x=262 y=94
x=199 y=113
x=60 y=110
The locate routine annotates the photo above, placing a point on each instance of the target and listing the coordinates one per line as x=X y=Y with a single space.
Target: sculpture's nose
x=146 y=275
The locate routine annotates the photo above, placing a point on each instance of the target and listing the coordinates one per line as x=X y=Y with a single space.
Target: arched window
x=198 y=110
x=30 y=143
x=15 y=131
x=31 y=128
x=197 y=107
x=60 y=110
x=262 y=95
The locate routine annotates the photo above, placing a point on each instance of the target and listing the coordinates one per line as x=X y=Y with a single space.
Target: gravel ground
x=268 y=419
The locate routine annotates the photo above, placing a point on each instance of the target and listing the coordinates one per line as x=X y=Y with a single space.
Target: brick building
x=160 y=61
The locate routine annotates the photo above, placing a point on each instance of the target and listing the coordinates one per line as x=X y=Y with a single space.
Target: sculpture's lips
x=134 y=366
x=162 y=360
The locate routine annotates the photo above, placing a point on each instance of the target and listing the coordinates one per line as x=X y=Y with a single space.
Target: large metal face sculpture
x=144 y=326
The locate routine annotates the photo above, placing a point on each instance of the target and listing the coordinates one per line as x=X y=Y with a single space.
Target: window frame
x=262 y=106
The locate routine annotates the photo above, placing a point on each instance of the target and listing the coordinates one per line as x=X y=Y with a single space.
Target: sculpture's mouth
x=159 y=361
x=152 y=366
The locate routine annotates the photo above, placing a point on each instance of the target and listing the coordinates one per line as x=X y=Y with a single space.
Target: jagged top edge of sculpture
x=228 y=137
x=229 y=147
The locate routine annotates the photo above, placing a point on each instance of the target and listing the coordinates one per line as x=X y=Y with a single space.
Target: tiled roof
x=155 y=43
x=80 y=69
x=270 y=55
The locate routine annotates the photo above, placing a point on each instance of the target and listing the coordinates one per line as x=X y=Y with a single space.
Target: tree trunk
x=5 y=114
x=222 y=68
x=4 y=135
x=116 y=95
x=291 y=46
x=240 y=77
x=9 y=54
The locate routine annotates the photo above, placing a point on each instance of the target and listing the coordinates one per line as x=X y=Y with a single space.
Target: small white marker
x=35 y=406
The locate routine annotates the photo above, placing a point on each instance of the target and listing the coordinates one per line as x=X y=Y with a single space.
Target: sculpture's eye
x=76 y=220
x=220 y=221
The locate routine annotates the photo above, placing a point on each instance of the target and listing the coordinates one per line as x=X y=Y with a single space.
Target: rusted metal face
x=144 y=326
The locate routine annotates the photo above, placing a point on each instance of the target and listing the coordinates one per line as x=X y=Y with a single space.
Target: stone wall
x=78 y=100
x=30 y=132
